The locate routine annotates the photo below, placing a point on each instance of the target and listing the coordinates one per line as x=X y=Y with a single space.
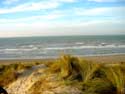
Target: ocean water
x=51 y=47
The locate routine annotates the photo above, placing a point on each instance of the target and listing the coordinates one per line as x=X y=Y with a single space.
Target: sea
x=54 y=46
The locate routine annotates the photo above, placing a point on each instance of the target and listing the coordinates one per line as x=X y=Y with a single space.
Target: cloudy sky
x=61 y=17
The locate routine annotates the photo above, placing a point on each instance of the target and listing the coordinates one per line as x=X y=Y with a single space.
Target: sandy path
x=25 y=81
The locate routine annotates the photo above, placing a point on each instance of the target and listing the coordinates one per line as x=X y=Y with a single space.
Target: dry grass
x=88 y=69
x=89 y=77
x=10 y=73
x=117 y=77
x=96 y=78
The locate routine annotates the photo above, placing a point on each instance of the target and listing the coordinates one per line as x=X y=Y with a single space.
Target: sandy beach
x=107 y=58
x=99 y=59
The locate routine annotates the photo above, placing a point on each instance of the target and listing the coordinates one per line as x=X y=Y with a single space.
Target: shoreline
x=56 y=57
x=100 y=59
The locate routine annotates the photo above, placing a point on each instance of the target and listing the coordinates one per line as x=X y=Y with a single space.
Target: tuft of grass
x=99 y=86
x=54 y=66
x=96 y=78
x=65 y=65
x=88 y=69
x=9 y=73
x=117 y=77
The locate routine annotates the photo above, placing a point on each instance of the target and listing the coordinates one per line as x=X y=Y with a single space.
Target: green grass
x=88 y=70
x=95 y=78
x=117 y=77
x=10 y=73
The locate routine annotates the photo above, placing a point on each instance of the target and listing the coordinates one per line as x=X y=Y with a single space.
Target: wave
x=80 y=43
x=85 y=47
x=35 y=48
x=7 y=50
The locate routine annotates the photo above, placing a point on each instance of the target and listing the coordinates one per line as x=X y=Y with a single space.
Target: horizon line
x=63 y=35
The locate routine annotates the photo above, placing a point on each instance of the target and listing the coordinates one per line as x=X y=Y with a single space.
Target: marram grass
x=96 y=78
x=89 y=77
x=117 y=77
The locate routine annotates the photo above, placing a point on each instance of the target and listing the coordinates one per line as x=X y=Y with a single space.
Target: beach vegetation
x=10 y=72
x=73 y=74
x=96 y=78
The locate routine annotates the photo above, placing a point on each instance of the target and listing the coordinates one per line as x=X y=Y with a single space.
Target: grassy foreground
x=95 y=78
x=10 y=72
x=86 y=76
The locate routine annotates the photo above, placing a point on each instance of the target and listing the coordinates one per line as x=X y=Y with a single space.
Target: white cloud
x=111 y=12
x=107 y=0
x=91 y=12
x=10 y=1
x=32 y=19
x=70 y=1
x=101 y=11
x=30 y=7
x=49 y=24
x=75 y=28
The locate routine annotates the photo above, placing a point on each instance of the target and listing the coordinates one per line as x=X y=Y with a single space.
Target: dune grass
x=9 y=73
x=89 y=77
x=117 y=77
x=96 y=78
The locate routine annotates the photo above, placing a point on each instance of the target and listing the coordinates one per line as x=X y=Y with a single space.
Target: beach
x=63 y=65
x=62 y=46
x=107 y=58
x=99 y=59
x=62 y=75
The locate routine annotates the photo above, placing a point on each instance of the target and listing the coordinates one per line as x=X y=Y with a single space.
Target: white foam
x=79 y=43
x=84 y=47
x=16 y=50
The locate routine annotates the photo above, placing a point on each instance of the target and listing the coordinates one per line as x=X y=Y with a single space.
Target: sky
x=19 y=18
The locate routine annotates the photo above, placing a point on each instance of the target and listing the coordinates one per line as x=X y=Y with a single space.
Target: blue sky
x=61 y=17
